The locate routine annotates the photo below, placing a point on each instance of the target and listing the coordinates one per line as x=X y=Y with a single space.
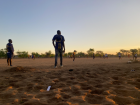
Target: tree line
x=49 y=54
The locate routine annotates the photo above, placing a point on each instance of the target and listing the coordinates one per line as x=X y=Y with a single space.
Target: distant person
x=107 y=56
x=103 y=56
x=10 y=51
x=119 y=54
x=74 y=55
x=59 y=45
x=135 y=56
x=128 y=55
x=93 y=56
x=28 y=56
x=34 y=56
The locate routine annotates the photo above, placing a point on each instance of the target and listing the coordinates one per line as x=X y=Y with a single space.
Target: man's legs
x=73 y=57
x=56 y=55
x=60 y=51
x=11 y=56
x=8 y=61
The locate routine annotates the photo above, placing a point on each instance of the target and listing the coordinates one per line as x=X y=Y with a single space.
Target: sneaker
x=61 y=65
x=55 y=67
x=10 y=65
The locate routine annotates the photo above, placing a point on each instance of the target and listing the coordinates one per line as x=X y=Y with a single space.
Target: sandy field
x=85 y=81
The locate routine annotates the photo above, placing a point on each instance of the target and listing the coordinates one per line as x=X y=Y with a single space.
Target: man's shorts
x=9 y=55
x=119 y=56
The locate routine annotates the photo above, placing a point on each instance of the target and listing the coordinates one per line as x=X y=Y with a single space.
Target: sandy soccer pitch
x=90 y=82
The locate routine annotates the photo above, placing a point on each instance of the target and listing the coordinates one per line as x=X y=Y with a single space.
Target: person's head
x=10 y=41
x=58 y=32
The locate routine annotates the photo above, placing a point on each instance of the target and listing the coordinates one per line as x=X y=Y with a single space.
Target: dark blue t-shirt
x=59 y=41
x=8 y=47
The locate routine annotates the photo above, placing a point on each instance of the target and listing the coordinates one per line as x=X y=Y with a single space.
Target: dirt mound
x=20 y=69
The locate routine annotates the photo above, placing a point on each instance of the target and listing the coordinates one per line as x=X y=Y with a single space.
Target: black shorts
x=9 y=55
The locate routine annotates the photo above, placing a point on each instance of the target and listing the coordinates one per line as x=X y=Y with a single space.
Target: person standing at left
x=10 y=51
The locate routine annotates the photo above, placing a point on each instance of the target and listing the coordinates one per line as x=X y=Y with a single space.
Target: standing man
x=119 y=55
x=10 y=51
x=135 y=56
x=59 y=45
x=74 y=55
x=93 y=56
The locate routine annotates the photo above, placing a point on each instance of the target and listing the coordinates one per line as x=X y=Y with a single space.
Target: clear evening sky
x=106 y=25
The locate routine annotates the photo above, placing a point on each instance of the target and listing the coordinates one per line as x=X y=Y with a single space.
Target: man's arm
x=12 y=48
x=64 y=46
x=53 y=43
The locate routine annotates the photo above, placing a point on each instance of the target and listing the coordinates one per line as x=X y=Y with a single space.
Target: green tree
x=90 y=52
x=81 y=54
x=43 y=55
x=133 y=51
x=65 y=54
x=138 y=51
x=3 y=53
x=99 y=53
x=70 y=53
x=36 y=54
x=48 y=54
x=22 y=54
x=122 y=51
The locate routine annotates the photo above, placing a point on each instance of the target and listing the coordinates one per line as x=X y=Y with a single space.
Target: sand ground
x=92 y=82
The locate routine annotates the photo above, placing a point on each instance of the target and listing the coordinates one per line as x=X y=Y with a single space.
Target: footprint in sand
x=29 y=87
x=94 y=99
x=115 y=78
x=66 y=90
x=122 y=100
x=116 y=82
x=55 y=100
x=38 y=88
x=34 y=102
x=46 y=94
x=75 y=91
x=85 y=86
x=97 y=91
x=19 y=76
x=65 y=96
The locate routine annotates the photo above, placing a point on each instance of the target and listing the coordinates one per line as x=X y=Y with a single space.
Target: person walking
x=119 y=54
x=10 y=51
x=93 y=56
x=74 y=55
x=59 y=45
x=136 y=56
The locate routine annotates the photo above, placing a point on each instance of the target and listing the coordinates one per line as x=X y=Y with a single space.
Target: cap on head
x=58 y=32
x=9 y=40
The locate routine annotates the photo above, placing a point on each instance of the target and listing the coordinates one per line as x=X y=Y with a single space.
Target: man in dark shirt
x=93 y=56
x=10 y=51
x=59 y=45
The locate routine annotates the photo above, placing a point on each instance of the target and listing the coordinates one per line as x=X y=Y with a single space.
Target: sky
x=104 y=25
